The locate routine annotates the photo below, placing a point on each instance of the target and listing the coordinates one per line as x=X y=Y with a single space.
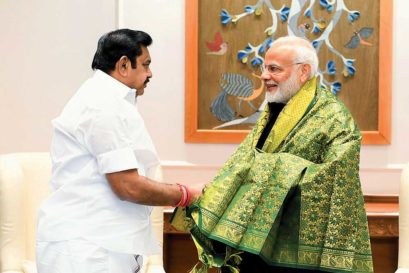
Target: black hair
x=115 y=44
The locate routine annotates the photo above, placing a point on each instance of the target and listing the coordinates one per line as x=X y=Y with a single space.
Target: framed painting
x=225 y=46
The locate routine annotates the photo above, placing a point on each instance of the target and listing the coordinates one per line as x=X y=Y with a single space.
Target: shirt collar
x=117 y=87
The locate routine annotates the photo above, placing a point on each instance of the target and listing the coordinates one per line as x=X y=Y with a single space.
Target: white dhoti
x=81 y=256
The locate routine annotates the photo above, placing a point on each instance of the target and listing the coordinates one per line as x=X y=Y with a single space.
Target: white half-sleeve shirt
x=99 y=131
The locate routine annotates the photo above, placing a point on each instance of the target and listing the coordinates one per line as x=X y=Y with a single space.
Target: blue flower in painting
x=349 y=62
x=249 y=9
x=349 y=69
x=284 y=13
x=324 y=3
x=249 y=48
x=335 y=87
x=268 y=42
x=316 y=43
x=316 y=29
x=331 y=67
x=353 y=16
x=242 y=56
x=225 y=17
x=319 y=26
x=256 y=61
x=307 y=13
x=265 y=45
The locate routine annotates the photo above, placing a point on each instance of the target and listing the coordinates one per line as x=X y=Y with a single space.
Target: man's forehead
x=277 y=54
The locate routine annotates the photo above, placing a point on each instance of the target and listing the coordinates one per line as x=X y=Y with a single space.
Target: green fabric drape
x=297 y=202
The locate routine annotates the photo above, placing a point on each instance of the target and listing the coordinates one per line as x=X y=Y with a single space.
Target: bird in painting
x=358 y=38
x=217 y=46
x=238 y=86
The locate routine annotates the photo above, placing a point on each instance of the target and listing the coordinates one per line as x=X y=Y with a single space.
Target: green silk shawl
x=297 y=202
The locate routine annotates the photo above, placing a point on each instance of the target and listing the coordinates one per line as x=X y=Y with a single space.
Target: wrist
x=185 y=196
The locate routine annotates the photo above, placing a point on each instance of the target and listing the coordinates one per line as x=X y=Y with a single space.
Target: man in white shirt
x=97 y=218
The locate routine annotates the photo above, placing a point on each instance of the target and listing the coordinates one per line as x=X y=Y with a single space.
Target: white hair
x=304 y=51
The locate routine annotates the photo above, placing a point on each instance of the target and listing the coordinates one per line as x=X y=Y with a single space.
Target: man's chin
x=272 y=89
x=140 y=91
x=273 y=96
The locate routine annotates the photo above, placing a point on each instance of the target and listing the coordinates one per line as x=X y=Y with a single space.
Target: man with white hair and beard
x=289 y=199
x=290 y=63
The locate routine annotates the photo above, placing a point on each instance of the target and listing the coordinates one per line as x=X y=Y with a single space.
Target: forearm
x=130 y=186
x=149 y=192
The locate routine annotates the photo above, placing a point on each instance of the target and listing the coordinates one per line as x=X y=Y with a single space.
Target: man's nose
x=265 y=75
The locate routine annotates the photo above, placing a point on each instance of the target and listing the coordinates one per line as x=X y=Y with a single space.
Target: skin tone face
x=283 y=77
x=139 y=76
x=279 y=66
x=136 y=78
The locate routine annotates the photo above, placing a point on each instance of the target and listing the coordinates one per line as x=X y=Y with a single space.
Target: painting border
x=195 y=135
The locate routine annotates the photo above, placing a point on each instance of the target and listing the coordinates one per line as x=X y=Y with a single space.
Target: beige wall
x=59 y=40
x=46 y=49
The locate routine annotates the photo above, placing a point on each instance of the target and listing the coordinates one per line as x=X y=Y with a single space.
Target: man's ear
x=305 y=72
x=122 y=65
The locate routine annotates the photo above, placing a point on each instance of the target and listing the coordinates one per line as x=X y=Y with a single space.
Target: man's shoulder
x=334 y=112
x=328 y=102
x=89 y=104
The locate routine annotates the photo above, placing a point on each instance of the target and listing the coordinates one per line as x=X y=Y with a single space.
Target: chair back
x=24 y=184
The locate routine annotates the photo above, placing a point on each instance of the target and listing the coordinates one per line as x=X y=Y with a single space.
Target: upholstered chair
x=24 y=184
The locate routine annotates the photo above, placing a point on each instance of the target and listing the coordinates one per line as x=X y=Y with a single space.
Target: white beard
x=285 y=90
